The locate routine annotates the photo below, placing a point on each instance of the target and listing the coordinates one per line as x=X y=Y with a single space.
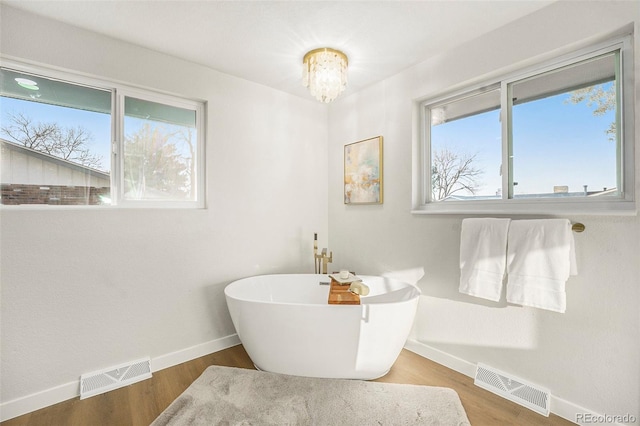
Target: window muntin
x=170 y=175
x=592 y=68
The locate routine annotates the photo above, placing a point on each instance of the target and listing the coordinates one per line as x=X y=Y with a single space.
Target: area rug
x=237 y=396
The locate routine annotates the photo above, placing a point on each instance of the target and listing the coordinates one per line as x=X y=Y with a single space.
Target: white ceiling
x=264 y=41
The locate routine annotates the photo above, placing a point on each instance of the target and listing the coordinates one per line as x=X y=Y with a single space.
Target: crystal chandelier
x=324 y=72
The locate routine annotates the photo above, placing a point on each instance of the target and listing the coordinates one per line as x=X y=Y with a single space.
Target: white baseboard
x=457 y=364
x=560 y=407
x=193 y=352
x=27 y=404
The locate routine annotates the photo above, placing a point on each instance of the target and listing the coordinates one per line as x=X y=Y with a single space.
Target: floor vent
x=514 y=389
x=111 y=378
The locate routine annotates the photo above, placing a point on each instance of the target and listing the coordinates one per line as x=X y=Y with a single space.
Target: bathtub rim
x=326 y=276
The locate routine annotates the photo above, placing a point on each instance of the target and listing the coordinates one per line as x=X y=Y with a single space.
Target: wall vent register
x=514 y=389
x=98 y=382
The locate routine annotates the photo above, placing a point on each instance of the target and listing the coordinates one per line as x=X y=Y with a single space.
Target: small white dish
x=348 y=280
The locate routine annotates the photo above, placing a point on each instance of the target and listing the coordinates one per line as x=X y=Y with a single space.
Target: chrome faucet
x=320 y=260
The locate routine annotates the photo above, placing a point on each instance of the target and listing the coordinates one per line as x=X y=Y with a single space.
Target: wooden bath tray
x=340 y=295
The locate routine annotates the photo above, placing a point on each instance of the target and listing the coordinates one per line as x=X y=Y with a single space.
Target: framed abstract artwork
x=363 y=172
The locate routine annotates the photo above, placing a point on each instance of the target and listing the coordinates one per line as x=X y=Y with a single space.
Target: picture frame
x=363 y=178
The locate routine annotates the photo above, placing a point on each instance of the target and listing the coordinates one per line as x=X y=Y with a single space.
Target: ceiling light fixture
x=324 y=73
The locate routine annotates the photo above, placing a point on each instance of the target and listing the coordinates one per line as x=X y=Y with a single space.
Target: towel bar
x=577 y=227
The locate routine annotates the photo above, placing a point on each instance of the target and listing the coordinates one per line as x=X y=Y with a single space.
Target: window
x=159 y=152
x=465 y=147
x=548 y=139
x=84 y=142
x=55 y=141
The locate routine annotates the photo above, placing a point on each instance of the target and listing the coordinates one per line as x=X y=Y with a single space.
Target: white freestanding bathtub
x=287 y=326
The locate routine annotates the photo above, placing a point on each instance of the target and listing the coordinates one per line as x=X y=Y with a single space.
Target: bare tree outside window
x=68 y=143
x=452 y=172
x=604 y=100
x=159 y=161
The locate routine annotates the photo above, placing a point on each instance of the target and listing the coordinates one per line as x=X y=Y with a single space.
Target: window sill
x=103 y=207
x=529 y=207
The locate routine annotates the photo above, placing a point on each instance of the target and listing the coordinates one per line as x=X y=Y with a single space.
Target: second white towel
x=540 y=258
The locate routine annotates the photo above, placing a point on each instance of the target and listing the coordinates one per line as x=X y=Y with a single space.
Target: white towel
x=483 y=249
x=540 y=258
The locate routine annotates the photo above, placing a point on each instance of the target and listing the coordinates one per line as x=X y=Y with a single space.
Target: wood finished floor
x=141 y=403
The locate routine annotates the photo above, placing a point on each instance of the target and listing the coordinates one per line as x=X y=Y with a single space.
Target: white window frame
x=118 y=93
x=118 y=147
x=618 y=205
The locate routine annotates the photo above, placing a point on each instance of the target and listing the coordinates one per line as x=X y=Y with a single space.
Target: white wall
x=85 y=289
x=588 y=357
